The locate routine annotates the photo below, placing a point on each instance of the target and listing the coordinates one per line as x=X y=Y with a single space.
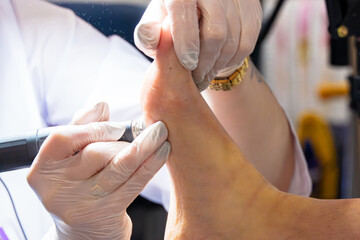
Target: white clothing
x=53 y=64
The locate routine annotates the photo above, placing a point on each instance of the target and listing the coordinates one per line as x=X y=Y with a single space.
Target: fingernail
x=115 y=129
x=190 y=60
x=148 y=34
x=163 y=152
x=198 y=78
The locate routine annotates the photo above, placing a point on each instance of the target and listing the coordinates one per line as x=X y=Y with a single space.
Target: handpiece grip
x=19 y=151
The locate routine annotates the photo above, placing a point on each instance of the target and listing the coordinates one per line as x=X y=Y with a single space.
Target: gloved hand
x=214 y=44
x=86 y=178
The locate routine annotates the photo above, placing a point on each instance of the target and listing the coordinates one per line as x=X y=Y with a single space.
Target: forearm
x=254 y=119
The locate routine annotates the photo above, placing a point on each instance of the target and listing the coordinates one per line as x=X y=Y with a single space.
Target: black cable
x=266 y=27
x=13 y=205
x=269 y=22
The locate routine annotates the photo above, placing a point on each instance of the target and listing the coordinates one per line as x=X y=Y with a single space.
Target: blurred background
x=294 y=58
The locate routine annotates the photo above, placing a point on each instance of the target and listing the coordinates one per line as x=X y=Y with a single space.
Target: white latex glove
x=214 y=46
x=87 y=193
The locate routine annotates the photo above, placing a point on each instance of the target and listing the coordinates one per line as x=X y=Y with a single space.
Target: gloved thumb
x=147 y=32
x=99 y=113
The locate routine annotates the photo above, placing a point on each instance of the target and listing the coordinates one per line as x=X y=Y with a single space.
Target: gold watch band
x=234 y=79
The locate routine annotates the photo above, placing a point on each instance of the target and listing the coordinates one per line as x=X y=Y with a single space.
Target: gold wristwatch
x=227 y=83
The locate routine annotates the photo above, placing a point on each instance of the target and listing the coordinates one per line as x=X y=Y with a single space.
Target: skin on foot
x=216 y=193
x=202 y=183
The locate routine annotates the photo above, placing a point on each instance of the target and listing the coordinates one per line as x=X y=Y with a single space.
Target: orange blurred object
x=327 y=89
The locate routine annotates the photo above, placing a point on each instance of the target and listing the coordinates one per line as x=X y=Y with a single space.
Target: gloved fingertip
x=161 y=130
x=148 y=35
x=155 y=134
x=98 y=113
x=202 y=85
x=197 y=77
x=189 y=60
x=102 y=110
x=163 y=152
x=98 y=107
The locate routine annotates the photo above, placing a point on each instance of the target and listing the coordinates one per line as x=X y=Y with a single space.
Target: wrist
x=112 y=229
x=237 y=96
x=229 y=82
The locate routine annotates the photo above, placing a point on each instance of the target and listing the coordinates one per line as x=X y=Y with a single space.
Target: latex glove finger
x=230 y=46
x=92 y=159
x=250 y=18
x=147 y=32
x=212 y=40
x=184 y=27
x=99 y=113
x=129 y=160
x=66 y=141
x=132 y=188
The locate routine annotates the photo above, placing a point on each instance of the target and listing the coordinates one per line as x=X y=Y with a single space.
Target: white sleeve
x=75 y=66
x=301 y=183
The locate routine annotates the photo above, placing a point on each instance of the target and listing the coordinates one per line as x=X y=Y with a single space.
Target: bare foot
x=217 y=194
x=204 y=163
